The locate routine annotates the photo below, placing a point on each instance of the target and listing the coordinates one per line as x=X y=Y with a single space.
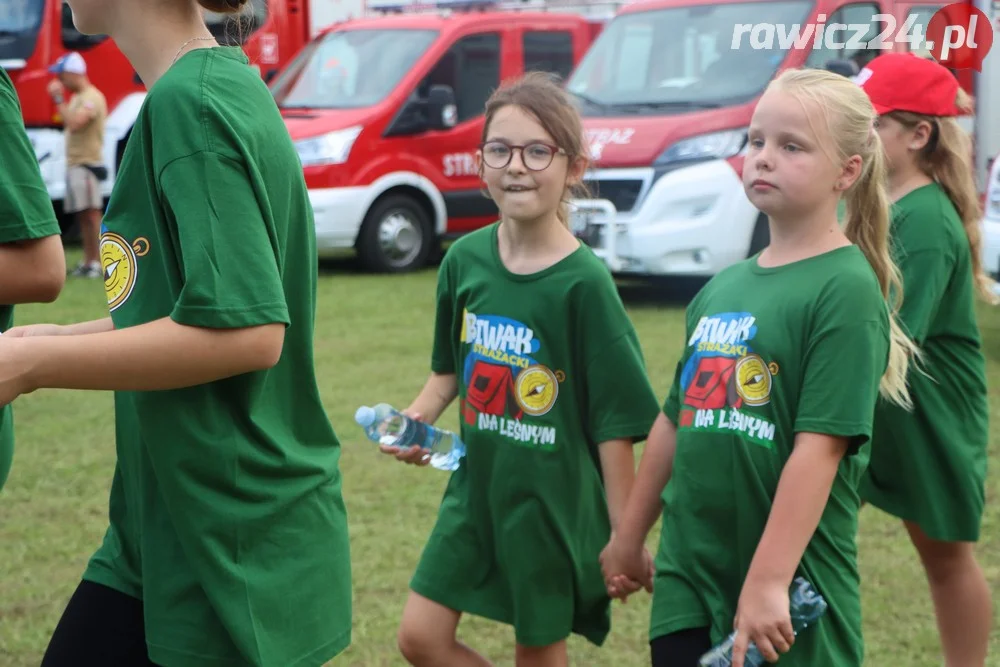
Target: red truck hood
x=306 y=123
x=636 y=141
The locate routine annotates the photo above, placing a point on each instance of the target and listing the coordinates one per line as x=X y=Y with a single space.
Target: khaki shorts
x=83 y=190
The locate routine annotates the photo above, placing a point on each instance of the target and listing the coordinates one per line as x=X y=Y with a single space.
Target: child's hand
x=762 y=617
x=625 y=569
x=414 y=455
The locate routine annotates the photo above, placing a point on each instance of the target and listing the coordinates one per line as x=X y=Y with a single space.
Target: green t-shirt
x=25 y=213
x=929 y=465
x=769 y=352
x=548 y=366
x=226 y=510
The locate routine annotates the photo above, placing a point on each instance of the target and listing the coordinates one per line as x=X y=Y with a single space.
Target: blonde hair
x=947 y=158
x=539 y=94
x=850 y=126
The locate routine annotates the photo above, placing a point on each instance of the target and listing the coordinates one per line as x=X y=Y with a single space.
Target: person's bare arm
x=618 y=468
x=32 y=271
x=155 y=356
x=438 y=393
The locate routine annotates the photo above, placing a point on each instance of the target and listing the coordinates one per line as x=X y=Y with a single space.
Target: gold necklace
x=193 y=39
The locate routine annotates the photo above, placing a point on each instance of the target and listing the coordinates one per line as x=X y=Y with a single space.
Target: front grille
x=623 y=194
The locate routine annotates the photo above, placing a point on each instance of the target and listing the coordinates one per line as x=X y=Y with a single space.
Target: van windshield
x=19 y=23
x=350 y=69
x=683 y=58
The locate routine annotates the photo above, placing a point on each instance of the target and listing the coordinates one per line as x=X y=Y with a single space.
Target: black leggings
x=680 y=649
x=100 y=626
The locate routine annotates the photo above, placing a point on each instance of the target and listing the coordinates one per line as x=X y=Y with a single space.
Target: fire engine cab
x=387 y=113
x=35 y=33
x=667 y=92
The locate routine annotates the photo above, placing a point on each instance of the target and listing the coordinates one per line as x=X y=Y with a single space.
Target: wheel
x=761 y=236
x=396 y=235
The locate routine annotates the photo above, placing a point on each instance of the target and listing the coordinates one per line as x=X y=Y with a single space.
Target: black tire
x=396 y=235
x=761 y=236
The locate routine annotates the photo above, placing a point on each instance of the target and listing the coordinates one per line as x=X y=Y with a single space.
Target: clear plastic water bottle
x=387 y=426
x=805 y=605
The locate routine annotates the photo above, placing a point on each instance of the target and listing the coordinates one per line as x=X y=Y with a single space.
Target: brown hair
x=223 y=6
x=540 y=94
x=947 y=158
x=850 y=126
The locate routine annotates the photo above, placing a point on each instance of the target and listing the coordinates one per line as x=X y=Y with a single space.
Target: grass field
x=53 y=509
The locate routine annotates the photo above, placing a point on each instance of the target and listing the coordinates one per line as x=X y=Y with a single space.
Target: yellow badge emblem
x=536 y=390
x=119 y=260
x=753 y=380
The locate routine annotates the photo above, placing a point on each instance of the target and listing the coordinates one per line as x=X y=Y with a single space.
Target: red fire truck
x=386 y=112
x=35 y=33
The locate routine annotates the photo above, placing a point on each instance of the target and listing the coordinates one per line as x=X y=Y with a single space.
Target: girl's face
x=900 y=143
x=525 y=172
x=789 y=170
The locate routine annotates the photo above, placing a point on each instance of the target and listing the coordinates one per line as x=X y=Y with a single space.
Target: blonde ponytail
x=947 y=158
x=850 y=119
x=867 y=226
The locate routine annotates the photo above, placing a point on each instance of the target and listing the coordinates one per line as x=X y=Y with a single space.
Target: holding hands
x=627 y=567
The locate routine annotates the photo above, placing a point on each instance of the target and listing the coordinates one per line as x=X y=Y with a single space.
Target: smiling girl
x=533 y=339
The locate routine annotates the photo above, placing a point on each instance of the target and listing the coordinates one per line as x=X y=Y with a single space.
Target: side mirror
x=846 y=68
x=442 y=112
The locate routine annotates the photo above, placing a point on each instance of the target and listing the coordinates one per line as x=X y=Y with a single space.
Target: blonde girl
x=762 y=435
x=928 y=466
x=532 y=338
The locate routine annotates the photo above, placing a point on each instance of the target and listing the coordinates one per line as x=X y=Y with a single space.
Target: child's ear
x=850 y=172
x=577 y=170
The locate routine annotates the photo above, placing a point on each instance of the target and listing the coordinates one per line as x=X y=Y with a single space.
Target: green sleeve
x=443 y=353
x=926 y=274
x=621 y=402
x=843 y=366
x=25 y=208
x=226 y=243
x=672 y=406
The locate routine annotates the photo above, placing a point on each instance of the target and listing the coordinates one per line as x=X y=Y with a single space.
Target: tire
x=396 y=235
x=761 y=236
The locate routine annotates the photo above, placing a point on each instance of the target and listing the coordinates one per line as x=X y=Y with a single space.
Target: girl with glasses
x=532 y=338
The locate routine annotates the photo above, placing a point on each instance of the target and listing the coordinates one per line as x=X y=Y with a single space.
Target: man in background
x=83 y=116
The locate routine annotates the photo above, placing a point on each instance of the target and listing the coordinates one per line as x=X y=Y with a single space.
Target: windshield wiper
x=590 y=100
x=668 y=104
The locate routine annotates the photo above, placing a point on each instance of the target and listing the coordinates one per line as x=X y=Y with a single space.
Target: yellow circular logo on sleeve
x=753 y=380
x=120 y=268
x=536 y=390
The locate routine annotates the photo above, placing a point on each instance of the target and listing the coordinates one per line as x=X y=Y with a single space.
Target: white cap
x=71 y=63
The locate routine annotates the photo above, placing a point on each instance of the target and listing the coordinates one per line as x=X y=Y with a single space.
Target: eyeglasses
x=535 y=156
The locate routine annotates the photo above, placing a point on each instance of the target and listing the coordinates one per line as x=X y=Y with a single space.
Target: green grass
x=53 y=509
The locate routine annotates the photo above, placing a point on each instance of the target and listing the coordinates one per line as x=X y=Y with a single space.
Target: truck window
x=73 y=39
x=349 y=69
x=234 y=30
x=472 y=68
x=548 y=51
x=856 y=14
x=684 y=57
x=20 y=21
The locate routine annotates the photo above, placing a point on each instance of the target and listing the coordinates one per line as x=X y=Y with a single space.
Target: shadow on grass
x=659 y=292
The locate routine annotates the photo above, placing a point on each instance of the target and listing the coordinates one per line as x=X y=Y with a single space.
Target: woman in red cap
x=928 y=466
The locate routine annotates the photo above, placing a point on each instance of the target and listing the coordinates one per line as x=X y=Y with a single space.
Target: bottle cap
x=365 y=416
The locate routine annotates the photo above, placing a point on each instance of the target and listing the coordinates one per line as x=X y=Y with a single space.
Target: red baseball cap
x=907 y=82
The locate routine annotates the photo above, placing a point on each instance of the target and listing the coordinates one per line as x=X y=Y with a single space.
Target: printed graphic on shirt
x=724 y=379
x=120 y=261
x=506 y=387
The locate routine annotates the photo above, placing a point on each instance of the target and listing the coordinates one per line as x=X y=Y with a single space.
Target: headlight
x=717 y=145
x=330 y=148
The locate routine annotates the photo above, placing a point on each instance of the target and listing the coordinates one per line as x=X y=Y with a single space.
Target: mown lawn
x=53 y=509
